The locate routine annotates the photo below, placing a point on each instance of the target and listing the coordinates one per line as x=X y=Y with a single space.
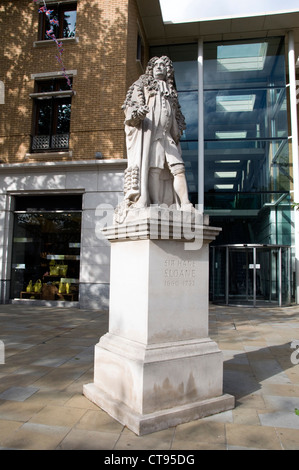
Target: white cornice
x=74 y=165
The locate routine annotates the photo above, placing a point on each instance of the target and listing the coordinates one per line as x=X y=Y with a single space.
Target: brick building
x=62 y=147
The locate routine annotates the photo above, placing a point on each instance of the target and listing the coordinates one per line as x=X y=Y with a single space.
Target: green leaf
x=297 y=411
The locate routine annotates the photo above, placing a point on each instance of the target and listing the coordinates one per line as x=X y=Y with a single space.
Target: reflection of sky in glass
x=233 y=65
x=261 y=113
x=189 y=105
x=186 y=75
x=241 y=57
x=69 y=24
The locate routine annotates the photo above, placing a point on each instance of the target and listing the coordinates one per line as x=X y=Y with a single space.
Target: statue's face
x=159 y=70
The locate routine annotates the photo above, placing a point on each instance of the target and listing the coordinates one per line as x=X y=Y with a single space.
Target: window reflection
x=65 y=15
x=242 y=64
x=184 y=58
x=241 y=57
x=245 y=124
x=255 y=113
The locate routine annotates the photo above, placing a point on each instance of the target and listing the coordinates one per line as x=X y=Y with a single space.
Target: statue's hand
x=142 y=112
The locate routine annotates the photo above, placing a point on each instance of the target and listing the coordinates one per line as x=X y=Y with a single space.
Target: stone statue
x=153 y=126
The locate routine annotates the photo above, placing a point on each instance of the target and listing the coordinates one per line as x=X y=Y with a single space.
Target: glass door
x=254 y=276
x=240 y=276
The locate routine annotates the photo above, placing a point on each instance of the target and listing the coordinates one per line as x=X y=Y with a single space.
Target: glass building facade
x=247 y=179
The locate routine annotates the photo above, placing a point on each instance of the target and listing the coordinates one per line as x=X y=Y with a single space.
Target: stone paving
x=49 y=356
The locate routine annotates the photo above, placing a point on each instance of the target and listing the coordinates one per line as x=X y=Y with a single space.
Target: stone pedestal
x=157 y=366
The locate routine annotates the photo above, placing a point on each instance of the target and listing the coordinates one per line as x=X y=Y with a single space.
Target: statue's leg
x=180 y=184
x=154 y=185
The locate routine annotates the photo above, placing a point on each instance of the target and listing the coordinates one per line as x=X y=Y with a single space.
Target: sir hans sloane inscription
x=179 y=273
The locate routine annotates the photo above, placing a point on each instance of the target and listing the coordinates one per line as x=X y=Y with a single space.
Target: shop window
x=65 y=15
x=46 y=248
x=51 y=115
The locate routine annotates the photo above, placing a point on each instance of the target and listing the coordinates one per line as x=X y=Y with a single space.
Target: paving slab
x=49 y=357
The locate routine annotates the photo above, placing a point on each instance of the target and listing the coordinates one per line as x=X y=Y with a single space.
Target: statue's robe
x=152 y=142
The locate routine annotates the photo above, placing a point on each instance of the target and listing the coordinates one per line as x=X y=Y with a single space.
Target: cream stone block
x=160 y=289
x=95 y=255
x=111 y=181
x=157 y=367
x=94 y=273
x=149 y=388
x=32 y=182
x=99 y=200
x=93 y=237
x=2 y=202
x=78 y=180
x=151 y=378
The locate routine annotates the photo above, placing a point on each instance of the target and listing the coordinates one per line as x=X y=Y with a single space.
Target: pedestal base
x=156 y=421
x=157 y=367
x=152 y=387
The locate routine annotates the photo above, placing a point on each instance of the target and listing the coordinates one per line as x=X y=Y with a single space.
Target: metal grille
x=41 y=142
x=46 y=142
x=60 y=141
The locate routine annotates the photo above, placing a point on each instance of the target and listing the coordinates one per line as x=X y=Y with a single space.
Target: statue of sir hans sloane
x=153 y=125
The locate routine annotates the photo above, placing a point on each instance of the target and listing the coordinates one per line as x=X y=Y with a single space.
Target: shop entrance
x=252 y=275
x=46 y=248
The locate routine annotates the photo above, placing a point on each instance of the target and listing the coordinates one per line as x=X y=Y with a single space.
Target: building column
x=295 y=154
x=6 y=234
x=200 y=128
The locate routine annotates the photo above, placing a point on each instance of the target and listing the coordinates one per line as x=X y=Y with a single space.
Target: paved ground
x=49 y=356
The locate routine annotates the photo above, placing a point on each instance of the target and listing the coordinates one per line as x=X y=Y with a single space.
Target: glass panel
x=265 y=283
x=176 y=52
x=189 y=104
x=184 y=58
x=219 y=274
x=44 y=117
x=246 y=137
x=65 y=22
x=69 y=23
x=259 y=62
x=46 y=251
x=247 y=166
x=53 y=116
x=285 y=276
x=245 y=114
x=240 y=280
x=45 y=86
x=63 y=116
x=283 y=215
x=49 y=26
x=186 y=75
x=69 y=202
x=266 y=275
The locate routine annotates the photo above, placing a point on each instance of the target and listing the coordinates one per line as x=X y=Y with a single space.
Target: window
x=184 y=58
x=52 y=114
x=65 y=14
x=245 y=123
x=140 y=49
x=46 y=247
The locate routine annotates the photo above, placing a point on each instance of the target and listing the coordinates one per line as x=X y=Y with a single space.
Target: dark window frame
x=48 y=91
x=59 y=11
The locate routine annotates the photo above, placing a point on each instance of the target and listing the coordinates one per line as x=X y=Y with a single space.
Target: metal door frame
x=254 y=247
